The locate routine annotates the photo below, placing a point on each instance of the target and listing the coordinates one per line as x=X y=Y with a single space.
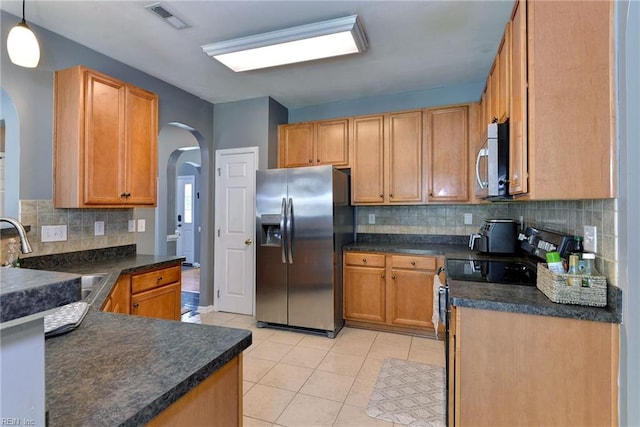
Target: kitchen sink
x=88 y=281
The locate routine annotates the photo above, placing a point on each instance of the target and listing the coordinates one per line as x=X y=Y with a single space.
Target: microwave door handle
x=482 y=153
x=283 y=230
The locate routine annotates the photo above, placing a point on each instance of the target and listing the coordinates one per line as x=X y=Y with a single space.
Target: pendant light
x=22 y=44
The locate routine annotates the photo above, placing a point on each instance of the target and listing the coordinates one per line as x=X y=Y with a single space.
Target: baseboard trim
x=207 y=309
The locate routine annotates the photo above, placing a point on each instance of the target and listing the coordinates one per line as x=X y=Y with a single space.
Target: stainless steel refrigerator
x=303 y=218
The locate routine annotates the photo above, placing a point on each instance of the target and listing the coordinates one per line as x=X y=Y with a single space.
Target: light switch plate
x=372 y=218
x=141 y=225
x=591 y=238
x=98 y=228
x=53 y=233
x=132 y=226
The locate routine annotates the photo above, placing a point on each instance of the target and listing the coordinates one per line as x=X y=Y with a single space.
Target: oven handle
x=443 y=299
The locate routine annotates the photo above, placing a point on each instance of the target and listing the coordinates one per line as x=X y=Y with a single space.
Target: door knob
x=248 y=242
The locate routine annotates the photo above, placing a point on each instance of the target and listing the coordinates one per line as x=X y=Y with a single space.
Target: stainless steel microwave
x=492 y=164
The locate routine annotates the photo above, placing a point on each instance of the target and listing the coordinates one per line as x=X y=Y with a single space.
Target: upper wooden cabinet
x=447 y=138
x=562 y=133
x=388 y=159
x=315 y=143
x=105 y=141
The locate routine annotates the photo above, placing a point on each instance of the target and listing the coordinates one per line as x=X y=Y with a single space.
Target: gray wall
x=12 y=151
x=250 y=123
x=380 y=104
x=628 y=39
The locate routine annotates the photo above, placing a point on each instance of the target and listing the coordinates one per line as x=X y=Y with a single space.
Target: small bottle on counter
x=574 y=271
x=578 y=249
x=554 y=262
x=589 y=268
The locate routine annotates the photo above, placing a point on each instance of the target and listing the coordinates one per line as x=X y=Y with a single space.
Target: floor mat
x=409 y=393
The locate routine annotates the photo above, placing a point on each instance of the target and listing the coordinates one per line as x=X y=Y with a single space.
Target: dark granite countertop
x=117 y=369
x=26 y=292
x=488 y=296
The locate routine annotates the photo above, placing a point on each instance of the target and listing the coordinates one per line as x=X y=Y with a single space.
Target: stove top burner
x=507 y=272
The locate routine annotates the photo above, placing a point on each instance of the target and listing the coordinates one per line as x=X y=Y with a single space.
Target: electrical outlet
x=53 y=233
x=468 y=219
x=132 y=226
x=141 y=225
x=591 y=238
x=372 y=218
x=98 y=228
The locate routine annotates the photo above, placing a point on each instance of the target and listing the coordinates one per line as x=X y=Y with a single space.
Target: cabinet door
x=504 y=53
x=411 y=298
x=447 y=145
x=332 y=143
x=368 y=163
x=141 y=163
x=104 y=153
x=364 y=294
x=405 y=157
x=161 y=303
x=120 y=296
x=518 y=161
x=494 y=78
x=296 y=145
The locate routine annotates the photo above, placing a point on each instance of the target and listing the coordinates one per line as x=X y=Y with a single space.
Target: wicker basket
x=556 y=287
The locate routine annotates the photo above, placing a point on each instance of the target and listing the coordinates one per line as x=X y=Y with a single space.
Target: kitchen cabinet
x=502 y=64
x=119 y=300
x=447 y=139
x=105 y=141
x=562 y=133
x=152 y=293
x=520 y=369
x=388 y=159
x=389 y=291
x=219 y=398
x=314 y=143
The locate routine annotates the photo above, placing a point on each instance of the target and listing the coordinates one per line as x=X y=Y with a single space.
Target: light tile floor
x=299 y=379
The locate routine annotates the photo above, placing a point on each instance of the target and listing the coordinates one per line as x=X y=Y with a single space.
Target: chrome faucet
x=25 y=247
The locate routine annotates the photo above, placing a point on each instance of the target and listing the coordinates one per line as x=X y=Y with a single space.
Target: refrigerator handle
x=283 y=232
x=290 y=227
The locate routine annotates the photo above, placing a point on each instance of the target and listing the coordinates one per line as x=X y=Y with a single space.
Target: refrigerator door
x=271 y=251
x=311 y=279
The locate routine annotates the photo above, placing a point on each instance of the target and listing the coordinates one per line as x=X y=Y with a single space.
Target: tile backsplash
x=566 y=216
x=80 y=228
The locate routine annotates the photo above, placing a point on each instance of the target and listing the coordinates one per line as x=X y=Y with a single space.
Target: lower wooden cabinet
x=510 y=369
x=389 y=290
x=216 y=401
x=152 y=293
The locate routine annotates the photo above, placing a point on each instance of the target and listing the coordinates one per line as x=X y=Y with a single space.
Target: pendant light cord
x=23 y=4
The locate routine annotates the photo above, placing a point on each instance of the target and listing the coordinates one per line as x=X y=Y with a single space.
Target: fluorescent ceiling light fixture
x=335 y=37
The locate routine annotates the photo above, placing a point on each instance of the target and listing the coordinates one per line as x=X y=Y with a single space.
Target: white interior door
x=234 y=263
x=185 y=191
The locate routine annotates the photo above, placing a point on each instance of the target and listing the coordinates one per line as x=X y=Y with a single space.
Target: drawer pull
x=413 y=263
x=393 y=276
x=382 y=275
x=159 y=278
x=364 y=260
x=136 y=305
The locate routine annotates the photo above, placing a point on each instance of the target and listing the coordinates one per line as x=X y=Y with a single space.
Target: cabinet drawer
x=413 y=262
x=364 y=259
x=153 y=279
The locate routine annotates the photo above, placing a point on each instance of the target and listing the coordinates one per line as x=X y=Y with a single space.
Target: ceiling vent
x=167 y=16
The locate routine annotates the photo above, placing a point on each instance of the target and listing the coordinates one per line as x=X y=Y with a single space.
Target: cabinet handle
x=364 y=260
x=318 y=160
x=136 y=305
x=391 y=196
x=413 y=263
x=382 y=275
x=310 y=161
x=159 y=278
x=382 y=196
x=123 y=194
x=393 y=276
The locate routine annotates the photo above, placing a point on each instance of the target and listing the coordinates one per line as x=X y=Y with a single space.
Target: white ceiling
x=413 y=45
